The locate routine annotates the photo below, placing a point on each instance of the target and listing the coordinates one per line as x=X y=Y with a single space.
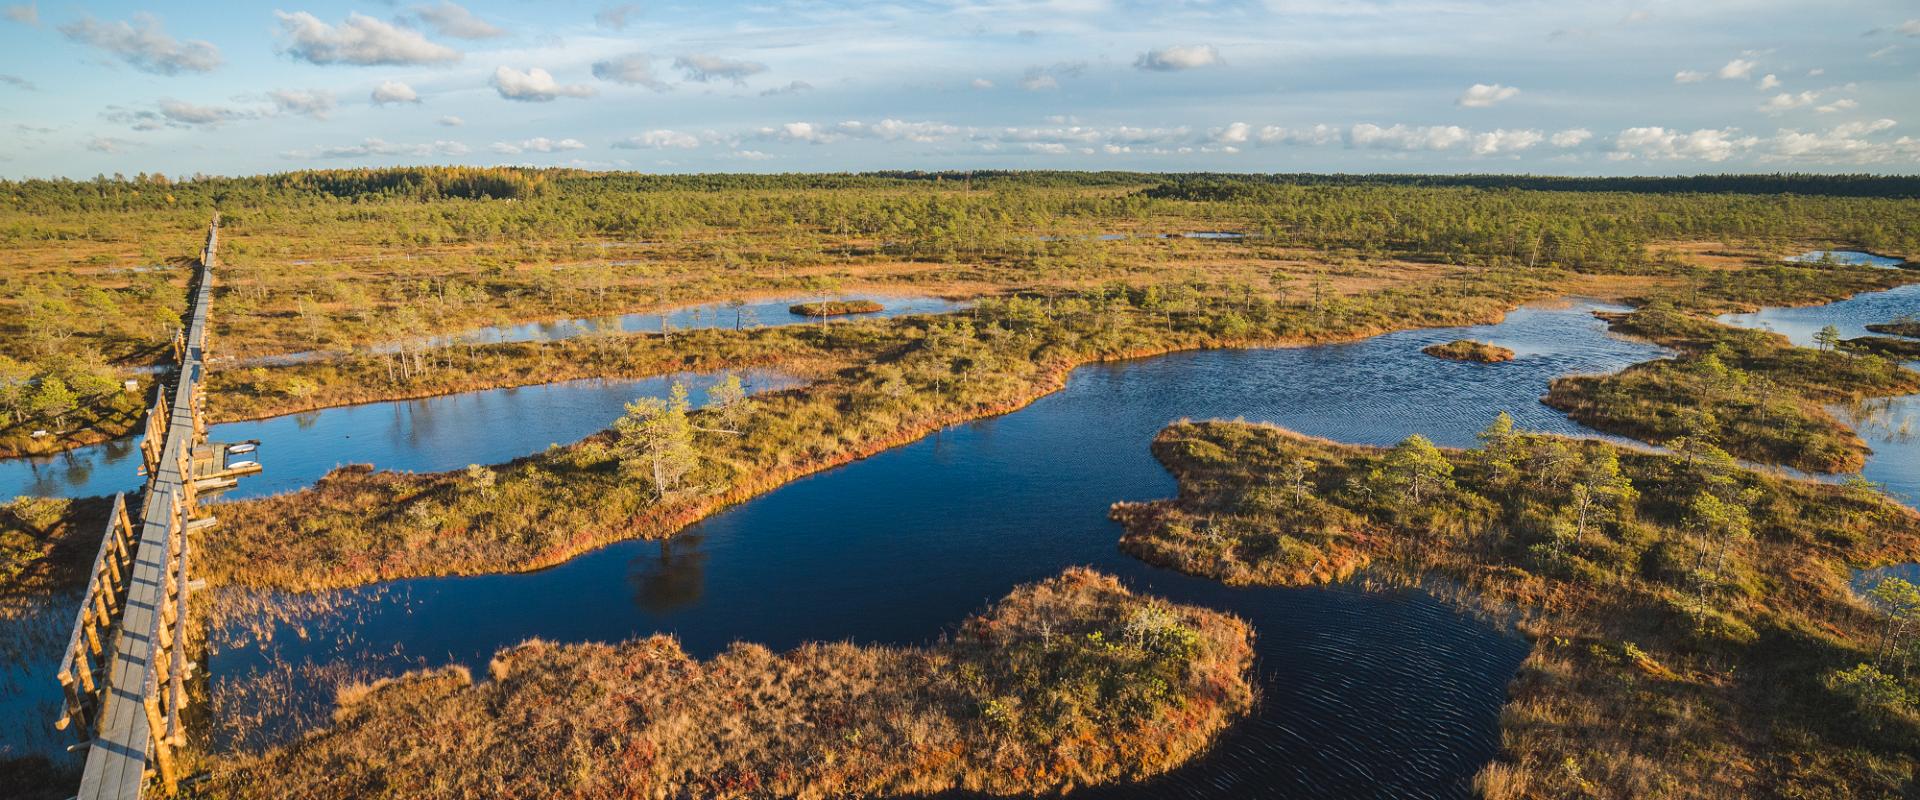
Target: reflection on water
x=731 y=316
x=1850 y=316
x=1387 y=693
x=1845 y=257
x=429 y=435
x=671 y=577
x=1886 y=424
x=33 y=636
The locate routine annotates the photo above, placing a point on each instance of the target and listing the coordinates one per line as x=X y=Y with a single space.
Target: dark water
x=759 y=313
x=1891 y=426
x=1847 y=257
x=1366 y=694
x=433 y=434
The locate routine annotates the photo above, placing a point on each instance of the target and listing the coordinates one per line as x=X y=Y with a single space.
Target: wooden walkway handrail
x=106 y=588
x=149 y=647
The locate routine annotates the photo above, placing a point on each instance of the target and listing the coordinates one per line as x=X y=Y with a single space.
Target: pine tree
x=655 y=441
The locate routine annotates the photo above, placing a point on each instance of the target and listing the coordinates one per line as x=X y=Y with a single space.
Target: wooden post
x=76 y=714
x=162 y=750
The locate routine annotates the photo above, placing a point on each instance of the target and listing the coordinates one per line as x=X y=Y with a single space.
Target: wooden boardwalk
x=133 y=716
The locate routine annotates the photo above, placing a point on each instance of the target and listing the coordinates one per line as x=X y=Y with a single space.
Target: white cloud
x=1910 y=27
x=981 y=83
x=792 y=87
x=1689 y=76
x=634 y=69
x=107 y=144
x=705 y=68
x=1738 y=69
x=452 y=20
x=1848 y=143
x=616 y=17
x=1842 y=104
x=659 y=139
x=798 y=132
x=1178 y=57
x=375 y=146
x=1816 y=72
x=170 y=113
x=538 y=144
x=1769 y=81
x=144 y=45
x=1571 y=137
x=394 y=92
x=1883 y=52
x=24 y=13
x=315 y=103
x=1316 y=135
x=898 y=130
x=1482 y=95
x=451 y=121
x=536 y=85
x=1402 y=137
x=749 y=155
x=1236 y=133
x=1504 y=141
x=1045 y=78
x=361 y=40
x=1787 y=101
x=1658 y=143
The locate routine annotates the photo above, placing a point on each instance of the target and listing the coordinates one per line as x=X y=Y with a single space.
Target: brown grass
x=1069 y=682
x=1469 y=350
x=1641 y=684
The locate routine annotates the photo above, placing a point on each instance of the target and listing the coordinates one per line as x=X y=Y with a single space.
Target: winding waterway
x=1382 y=693
x=764 y=313
x=427 y=435
x=1364 y=693
x=1891 y=426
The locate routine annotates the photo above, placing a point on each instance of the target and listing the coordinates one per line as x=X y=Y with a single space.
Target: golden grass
x=1642 y=683
x=1069 y=682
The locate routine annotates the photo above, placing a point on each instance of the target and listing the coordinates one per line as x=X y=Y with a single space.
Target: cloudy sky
x=1599 y=87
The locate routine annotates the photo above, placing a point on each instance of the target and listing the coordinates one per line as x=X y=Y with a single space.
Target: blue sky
x=1636 y=87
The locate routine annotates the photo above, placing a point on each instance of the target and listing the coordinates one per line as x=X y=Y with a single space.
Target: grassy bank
x=1469 y=350
x=1891 y=347
x=1750 y=392
x=920 y=374
x=835 y=308
x=1692 y=621
x=1907 y=328
x=1069 y=682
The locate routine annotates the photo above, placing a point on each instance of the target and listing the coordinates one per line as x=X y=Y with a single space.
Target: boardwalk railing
x=126 y=682
x=82 y=673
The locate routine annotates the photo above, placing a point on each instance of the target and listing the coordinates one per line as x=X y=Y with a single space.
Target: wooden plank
x=117 y=760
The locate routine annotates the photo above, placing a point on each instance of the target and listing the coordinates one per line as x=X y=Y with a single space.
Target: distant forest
x=120 y=192
x=961 y=217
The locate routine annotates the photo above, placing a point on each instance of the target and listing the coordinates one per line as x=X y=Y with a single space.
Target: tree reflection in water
x=675 y=578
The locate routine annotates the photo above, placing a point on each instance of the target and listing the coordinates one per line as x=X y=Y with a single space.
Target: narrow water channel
x=1891 y=426
x=427 y=435
x=1388 y=694
x=762 y=313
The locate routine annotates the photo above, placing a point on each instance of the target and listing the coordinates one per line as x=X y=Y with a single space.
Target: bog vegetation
x=1469 y=350
x=341 y=260
x=1694 y=632
x=1069 y=682
x=1750 y=392
x=1701 y=603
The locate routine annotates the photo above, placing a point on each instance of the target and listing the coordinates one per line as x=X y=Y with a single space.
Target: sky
x=1637 y=87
